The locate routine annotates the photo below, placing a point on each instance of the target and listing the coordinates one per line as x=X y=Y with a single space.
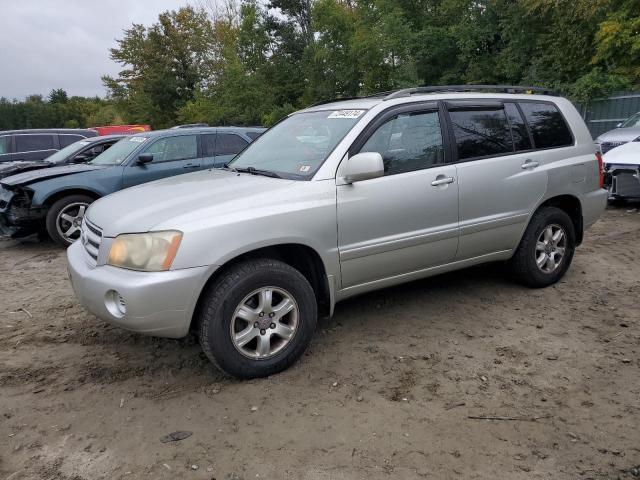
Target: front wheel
x=64 y=218
x=546 y=249
x=257 y=318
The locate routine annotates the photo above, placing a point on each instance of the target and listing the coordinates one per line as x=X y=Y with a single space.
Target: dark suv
x=17 y=145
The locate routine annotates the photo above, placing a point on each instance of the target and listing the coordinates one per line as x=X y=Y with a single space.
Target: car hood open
x=627 y=154
x=172 y=201
x=26 y=178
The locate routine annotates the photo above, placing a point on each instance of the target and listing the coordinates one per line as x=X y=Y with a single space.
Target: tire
x=57 y=226
x=524 y=265
x=239 y=290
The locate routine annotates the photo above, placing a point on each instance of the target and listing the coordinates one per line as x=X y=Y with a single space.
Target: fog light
x=115 y=303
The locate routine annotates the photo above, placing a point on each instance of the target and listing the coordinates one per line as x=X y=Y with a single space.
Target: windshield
x=61 y=155
x=118 y=152
x=296 y=147
x=632 y=121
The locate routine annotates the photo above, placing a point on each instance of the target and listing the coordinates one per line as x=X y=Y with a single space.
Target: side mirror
x=145 y=158
x=619 y=125
x=363 y=166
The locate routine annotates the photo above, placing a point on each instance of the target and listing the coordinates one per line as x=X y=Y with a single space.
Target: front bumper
x=157 y=303
x=17 y=217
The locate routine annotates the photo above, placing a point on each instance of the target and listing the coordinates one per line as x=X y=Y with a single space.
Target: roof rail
x=341 y=99
x=331 y=100
x=406 y=92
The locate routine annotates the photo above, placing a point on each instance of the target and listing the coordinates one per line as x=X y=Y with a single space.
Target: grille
x=91 y=236
x=606 y=146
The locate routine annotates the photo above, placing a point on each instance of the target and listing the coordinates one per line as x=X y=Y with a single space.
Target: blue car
x=53 y=200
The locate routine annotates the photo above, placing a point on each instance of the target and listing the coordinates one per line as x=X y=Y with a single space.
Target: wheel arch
x=571 y=205
x=302 y=257
x=55 y=196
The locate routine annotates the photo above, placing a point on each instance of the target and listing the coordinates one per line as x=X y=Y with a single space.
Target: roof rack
x=406 y=92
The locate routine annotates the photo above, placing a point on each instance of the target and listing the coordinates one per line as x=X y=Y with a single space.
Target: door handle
x=530 y=164
x=190 y=165
x=441 y=180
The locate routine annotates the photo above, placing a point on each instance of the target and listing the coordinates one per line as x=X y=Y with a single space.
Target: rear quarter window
x=547 y=125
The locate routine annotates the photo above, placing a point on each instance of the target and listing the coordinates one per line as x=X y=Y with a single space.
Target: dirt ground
x=386 y=391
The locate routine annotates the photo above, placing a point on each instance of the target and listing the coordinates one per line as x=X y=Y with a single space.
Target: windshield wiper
x=258 y=171
x=227 y=166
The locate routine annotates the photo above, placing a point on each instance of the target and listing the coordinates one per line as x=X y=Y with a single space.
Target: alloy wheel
x=69 y=221
x=264 y=322
x=550 y=248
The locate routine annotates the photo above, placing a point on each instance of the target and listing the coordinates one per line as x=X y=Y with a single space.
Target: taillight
x=600 y=168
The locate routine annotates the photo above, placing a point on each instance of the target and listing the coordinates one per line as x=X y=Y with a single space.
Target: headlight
x=148 y=252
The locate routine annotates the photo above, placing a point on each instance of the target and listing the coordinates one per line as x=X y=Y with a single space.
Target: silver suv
x=336 y=200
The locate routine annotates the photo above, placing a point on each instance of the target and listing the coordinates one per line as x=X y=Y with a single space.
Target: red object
x=113 y=129
x=600 y=168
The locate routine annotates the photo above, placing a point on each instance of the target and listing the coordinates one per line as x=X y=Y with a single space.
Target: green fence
x=603 y=114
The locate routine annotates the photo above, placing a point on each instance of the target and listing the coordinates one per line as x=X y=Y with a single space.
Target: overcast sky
x=46 y=44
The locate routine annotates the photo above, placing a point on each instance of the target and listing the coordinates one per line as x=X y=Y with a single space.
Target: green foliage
x=259 y=60
x=58 y=111
x=166 y=64
x=277 y=114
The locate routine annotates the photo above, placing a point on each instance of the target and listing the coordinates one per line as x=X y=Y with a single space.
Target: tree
x=58 y=95
x=165 y=65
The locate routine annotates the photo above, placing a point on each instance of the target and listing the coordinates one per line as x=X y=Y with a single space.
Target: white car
x=622 y=171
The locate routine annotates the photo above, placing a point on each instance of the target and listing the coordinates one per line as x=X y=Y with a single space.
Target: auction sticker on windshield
x=346 y=114
x=137 y=139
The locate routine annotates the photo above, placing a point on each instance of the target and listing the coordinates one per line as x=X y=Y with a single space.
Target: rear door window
x=548 y=128
x=229 y=144
x=519 y=130
x=66 y=139
x=34 y=142
x=480 y=132
x=253 y=135
x=208 y=145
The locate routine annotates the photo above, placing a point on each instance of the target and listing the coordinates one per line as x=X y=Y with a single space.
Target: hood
x=185 y=198
x=34 y=176
x=619 y=135
x=627 y=154
x=11 y=168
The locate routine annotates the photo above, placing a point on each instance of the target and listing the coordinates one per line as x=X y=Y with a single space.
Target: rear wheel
x=257 y=318
x=64 y=218
x=546 y=249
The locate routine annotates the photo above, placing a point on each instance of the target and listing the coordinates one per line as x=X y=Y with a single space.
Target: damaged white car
x=622 y=171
